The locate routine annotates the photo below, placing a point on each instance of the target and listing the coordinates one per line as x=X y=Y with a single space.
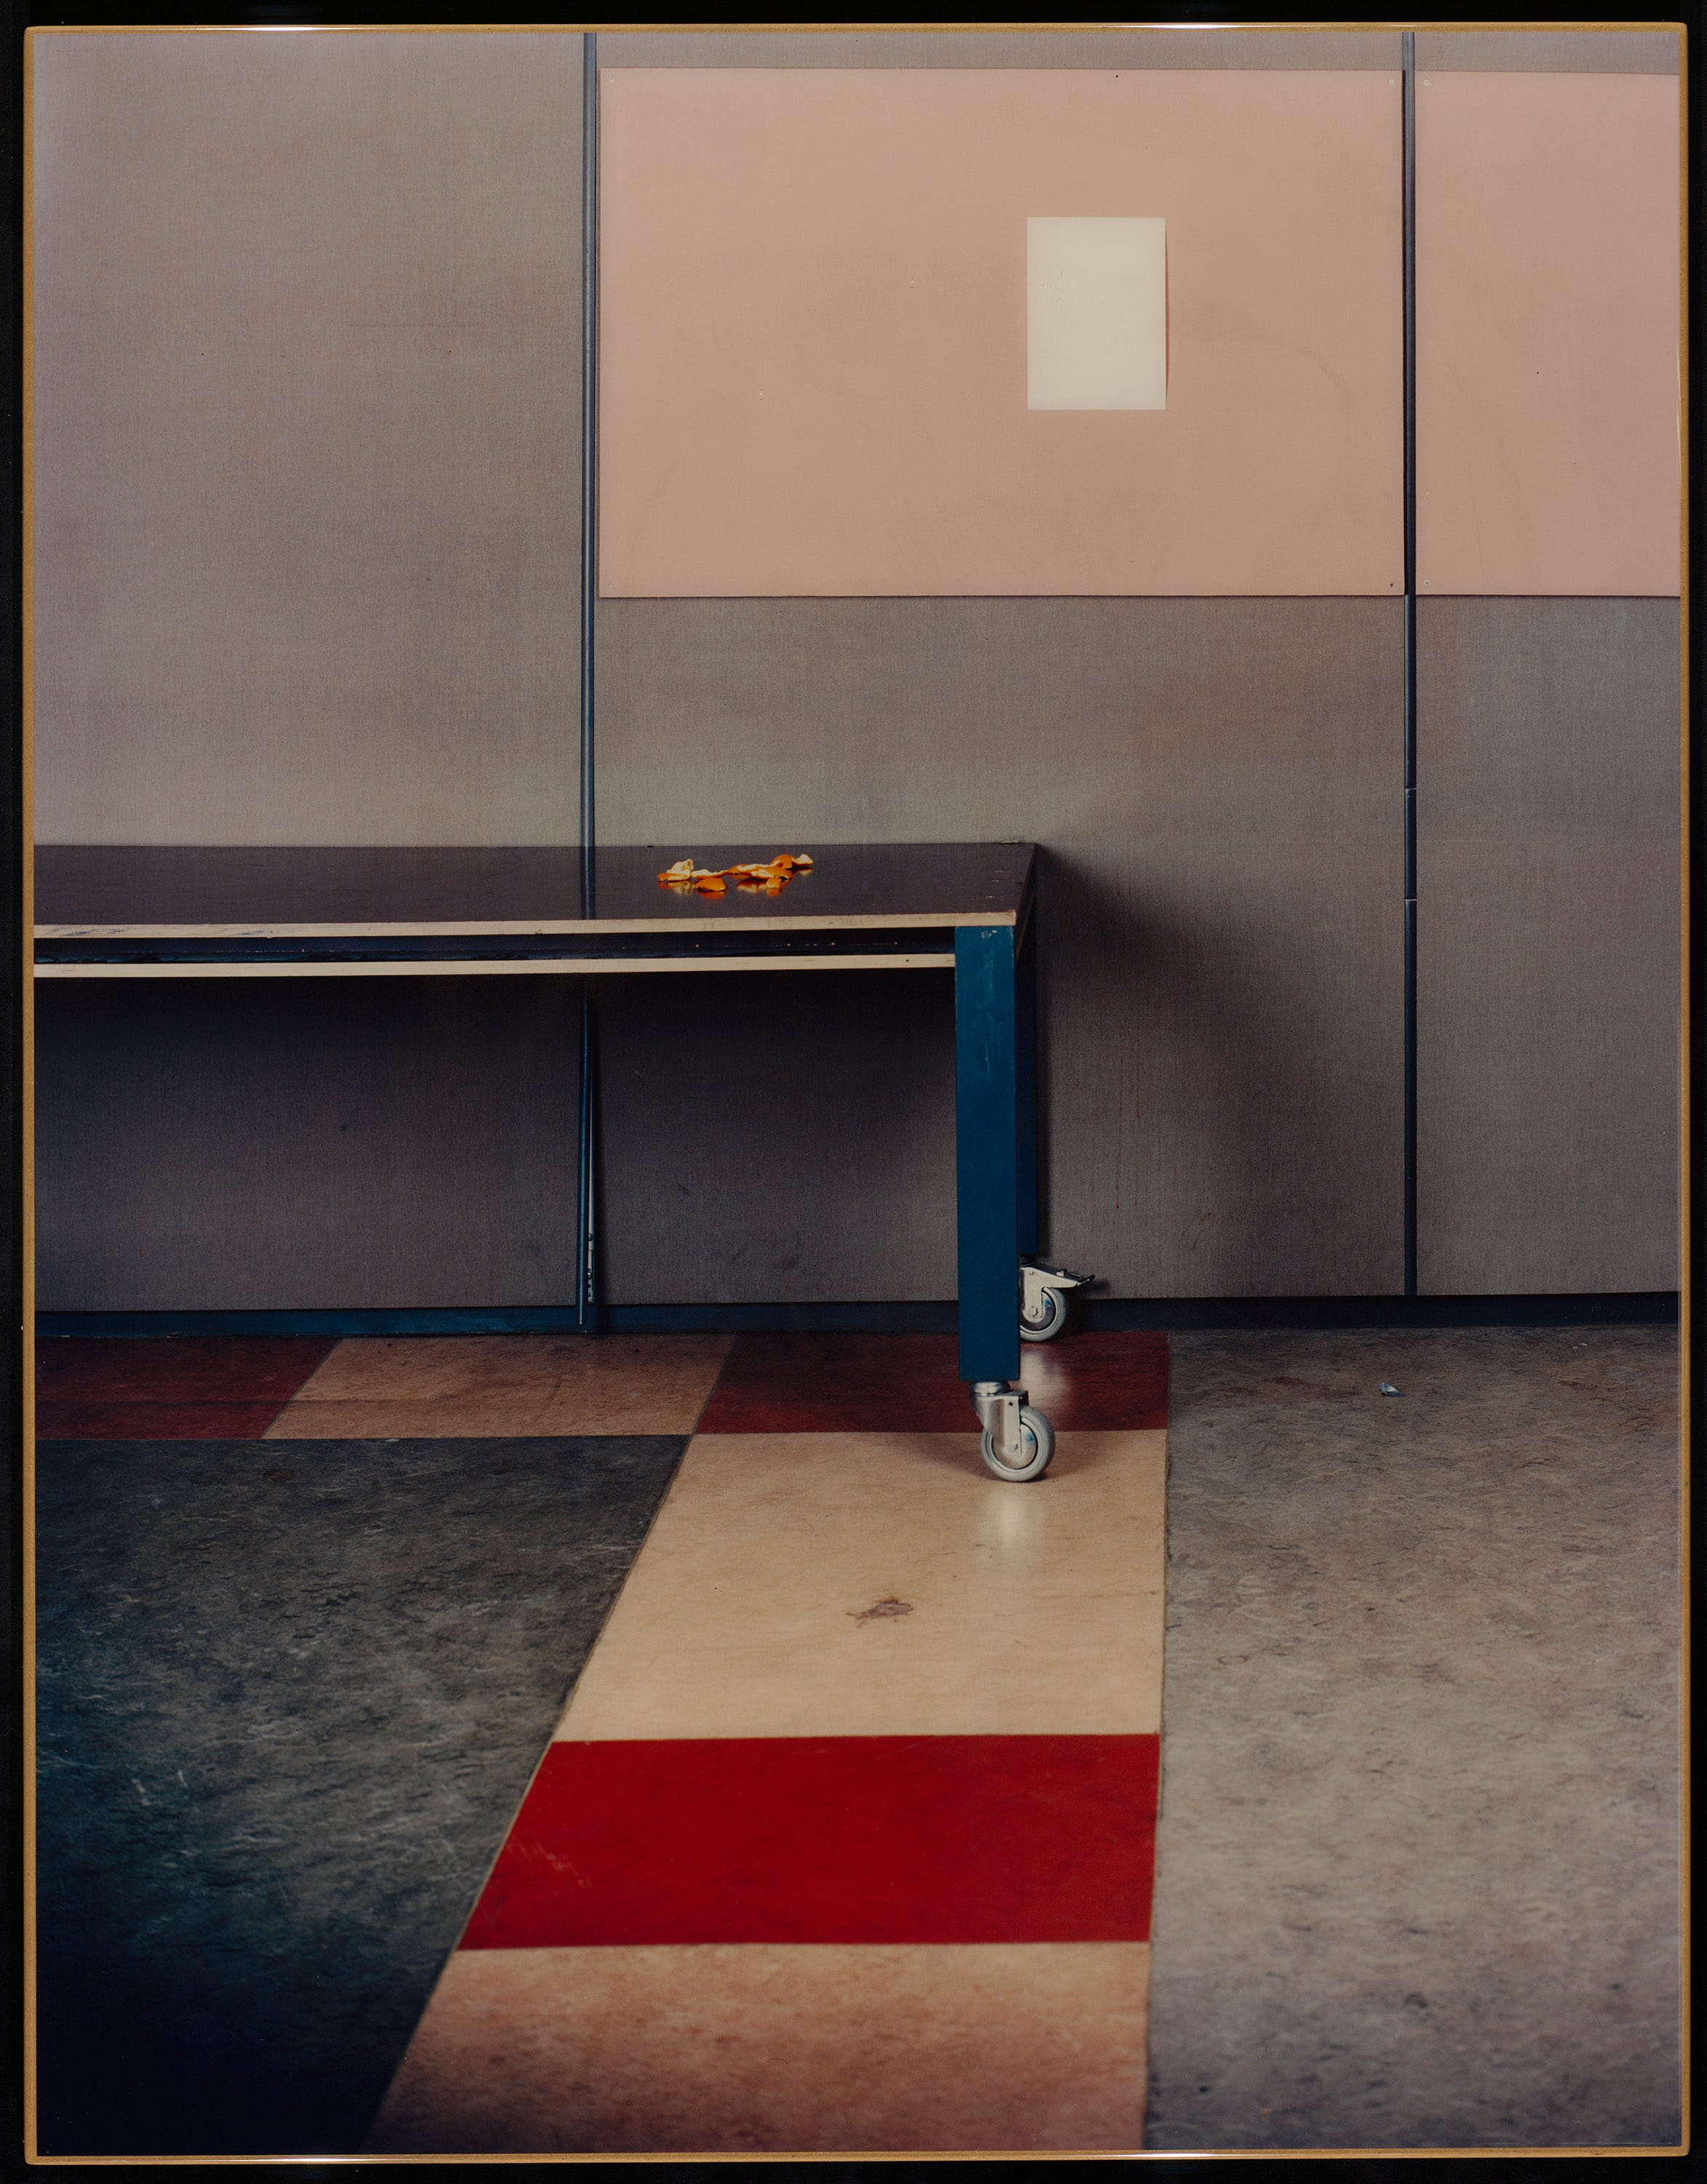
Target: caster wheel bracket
x=1036 y=1282
x=999 y=1407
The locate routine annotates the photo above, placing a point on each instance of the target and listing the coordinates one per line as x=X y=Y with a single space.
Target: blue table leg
x=987 y=1138
x=1025 y=1077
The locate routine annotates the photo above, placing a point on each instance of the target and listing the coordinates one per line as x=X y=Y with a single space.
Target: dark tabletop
x=138 y=888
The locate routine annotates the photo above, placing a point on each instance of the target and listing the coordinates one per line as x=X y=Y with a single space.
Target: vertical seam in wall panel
x=1688 y=802
x=1409 y=254
x=589 y=454
x=584 y=1288
x=20 y=1622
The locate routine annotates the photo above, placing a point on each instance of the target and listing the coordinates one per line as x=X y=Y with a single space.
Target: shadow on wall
x=777 y=1139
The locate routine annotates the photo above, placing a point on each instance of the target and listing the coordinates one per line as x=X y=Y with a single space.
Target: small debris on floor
x=1387 y=1389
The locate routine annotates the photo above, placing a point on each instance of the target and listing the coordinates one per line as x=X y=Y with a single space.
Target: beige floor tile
x=385 y=1388
x=863 y=1584
x=751 y=2049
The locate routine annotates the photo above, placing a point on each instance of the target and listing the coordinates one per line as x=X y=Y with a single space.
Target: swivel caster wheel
x=1043 y=1322
x=1018 y=1440
x=1043 y=1301
x=1038 y=1446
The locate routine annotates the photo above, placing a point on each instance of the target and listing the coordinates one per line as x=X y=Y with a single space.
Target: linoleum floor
x=683 y=1746
x=486 y=1755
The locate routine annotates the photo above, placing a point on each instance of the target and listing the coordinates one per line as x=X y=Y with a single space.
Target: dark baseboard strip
x=1635 y=1308
x=1647 y=1308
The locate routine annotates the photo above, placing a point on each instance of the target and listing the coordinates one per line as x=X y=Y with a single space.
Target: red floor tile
x=922 y=1840
x=1115 y=1382
x=168 y=1388
x=74 y=1421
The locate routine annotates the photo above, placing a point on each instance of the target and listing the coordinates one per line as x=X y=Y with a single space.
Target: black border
x=280 y=14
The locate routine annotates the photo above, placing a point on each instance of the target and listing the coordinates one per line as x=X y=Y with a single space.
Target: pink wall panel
x=814 y=334
x=1547 y=309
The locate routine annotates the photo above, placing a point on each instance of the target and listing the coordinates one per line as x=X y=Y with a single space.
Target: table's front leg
x=1025 y=1082
x=992 y=1129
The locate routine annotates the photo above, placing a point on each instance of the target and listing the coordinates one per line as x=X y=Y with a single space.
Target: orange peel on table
x=772 y=877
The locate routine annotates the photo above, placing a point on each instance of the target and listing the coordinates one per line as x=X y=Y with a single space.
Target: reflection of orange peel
x=772 y=878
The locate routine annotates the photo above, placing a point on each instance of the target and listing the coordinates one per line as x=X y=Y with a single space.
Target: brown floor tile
x=431 y=1386
x=751 y=2047
x=885 y=1584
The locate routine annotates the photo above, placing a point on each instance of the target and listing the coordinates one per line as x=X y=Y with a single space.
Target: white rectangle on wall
x=1096 y=313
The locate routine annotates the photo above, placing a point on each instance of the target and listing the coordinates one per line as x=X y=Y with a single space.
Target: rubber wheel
x=1037 y=1437
x=1051 y=1319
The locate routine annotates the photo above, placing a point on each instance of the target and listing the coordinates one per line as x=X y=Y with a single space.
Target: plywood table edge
x=910 y=920
x=465 y=966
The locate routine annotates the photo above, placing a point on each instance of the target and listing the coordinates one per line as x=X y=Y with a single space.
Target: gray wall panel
x=1551 y=52
x=1217 y=785
x=1548 y=945
x=229 y=1146
x=308 y=436
x=1117 y=48
x=306 y=521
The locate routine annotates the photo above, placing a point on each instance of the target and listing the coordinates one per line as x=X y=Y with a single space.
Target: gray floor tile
x=291 y=1696
x=1418 y=1858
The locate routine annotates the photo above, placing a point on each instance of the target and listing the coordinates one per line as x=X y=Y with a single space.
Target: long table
x=135 y=911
